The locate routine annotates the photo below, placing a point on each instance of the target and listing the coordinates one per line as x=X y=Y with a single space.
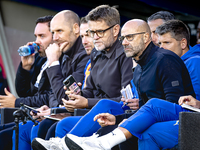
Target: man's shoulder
x=81 y=54
x=192 y=61
x=119 y=51
x=164 y=53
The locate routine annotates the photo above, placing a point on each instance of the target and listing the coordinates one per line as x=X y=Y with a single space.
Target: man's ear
x=116 y=30
x=76 y=28
x=183 y=43
x=146 y=37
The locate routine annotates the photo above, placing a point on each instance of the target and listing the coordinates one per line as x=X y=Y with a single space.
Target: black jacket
x=24 y=83
x=110 y=71
x=161 y=74
x=71 y=63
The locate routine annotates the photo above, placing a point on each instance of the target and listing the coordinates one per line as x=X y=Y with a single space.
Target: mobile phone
x=71 y=84
x=31 y=109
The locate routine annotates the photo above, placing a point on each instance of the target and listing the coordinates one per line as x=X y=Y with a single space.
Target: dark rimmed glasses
x=129 y=37
x=99 y=33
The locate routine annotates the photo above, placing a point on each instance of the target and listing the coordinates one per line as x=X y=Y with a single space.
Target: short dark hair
x=104 y=12
x=164 y=15
x=83 y=20
x=45 y=19
x=176 y=28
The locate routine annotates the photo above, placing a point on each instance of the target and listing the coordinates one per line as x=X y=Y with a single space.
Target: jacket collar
x=115 y=47
x=71 y=53
x=146 y=55
x=74 y=49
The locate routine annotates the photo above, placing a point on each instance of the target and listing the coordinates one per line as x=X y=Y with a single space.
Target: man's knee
x=155 y=102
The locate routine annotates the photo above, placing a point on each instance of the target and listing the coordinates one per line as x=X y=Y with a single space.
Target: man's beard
x=135 y=51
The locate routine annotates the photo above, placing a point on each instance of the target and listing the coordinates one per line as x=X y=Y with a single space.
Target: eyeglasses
x=99 y=33
x=129 y=37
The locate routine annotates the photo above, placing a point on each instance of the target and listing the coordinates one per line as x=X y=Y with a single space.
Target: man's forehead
x=97 y=24
x=165 y=36
x=58 y=20
x=41 y=27
x=127 y=30
x=153 y=24
x=83 y=28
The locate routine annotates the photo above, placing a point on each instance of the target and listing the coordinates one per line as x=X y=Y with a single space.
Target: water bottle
x=28 y=50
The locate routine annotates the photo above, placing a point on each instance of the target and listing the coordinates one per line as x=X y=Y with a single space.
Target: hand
x=132 y=103
x=105 y=119
x=76 y=102
x=189 y=100
x=28 y=61
x=123 y=99
x=54 y=51
x=67 y=92
x=43 y=111
x=7 y=100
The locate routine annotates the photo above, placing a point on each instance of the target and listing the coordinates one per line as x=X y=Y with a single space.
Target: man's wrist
x=86 y=105
x=198 y=104
x=54 y=63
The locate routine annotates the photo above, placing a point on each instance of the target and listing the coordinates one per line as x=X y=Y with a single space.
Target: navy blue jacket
x=161 y=74
x=24 y=84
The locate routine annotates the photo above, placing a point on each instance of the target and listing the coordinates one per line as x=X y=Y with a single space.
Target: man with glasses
x=111 y=70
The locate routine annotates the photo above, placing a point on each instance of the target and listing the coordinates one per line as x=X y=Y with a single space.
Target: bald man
x=159 y=74
x=66 y=55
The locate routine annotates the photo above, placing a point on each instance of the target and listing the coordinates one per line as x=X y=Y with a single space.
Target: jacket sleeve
x=56 y=78
x=192 y=65
x=170 y=73
x=23 y=82
x=33 y=101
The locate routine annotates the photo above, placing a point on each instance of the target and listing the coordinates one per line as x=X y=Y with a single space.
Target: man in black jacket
x=66 y=55
x=32 y=84
x=110 y=69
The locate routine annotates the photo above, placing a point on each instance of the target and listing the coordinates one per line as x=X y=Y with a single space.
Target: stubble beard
x=136 y=50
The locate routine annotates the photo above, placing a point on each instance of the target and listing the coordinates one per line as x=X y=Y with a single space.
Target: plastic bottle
x=28 y=50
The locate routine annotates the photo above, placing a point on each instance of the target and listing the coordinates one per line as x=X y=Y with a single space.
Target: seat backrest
x=7 y=115
x=189 y=131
